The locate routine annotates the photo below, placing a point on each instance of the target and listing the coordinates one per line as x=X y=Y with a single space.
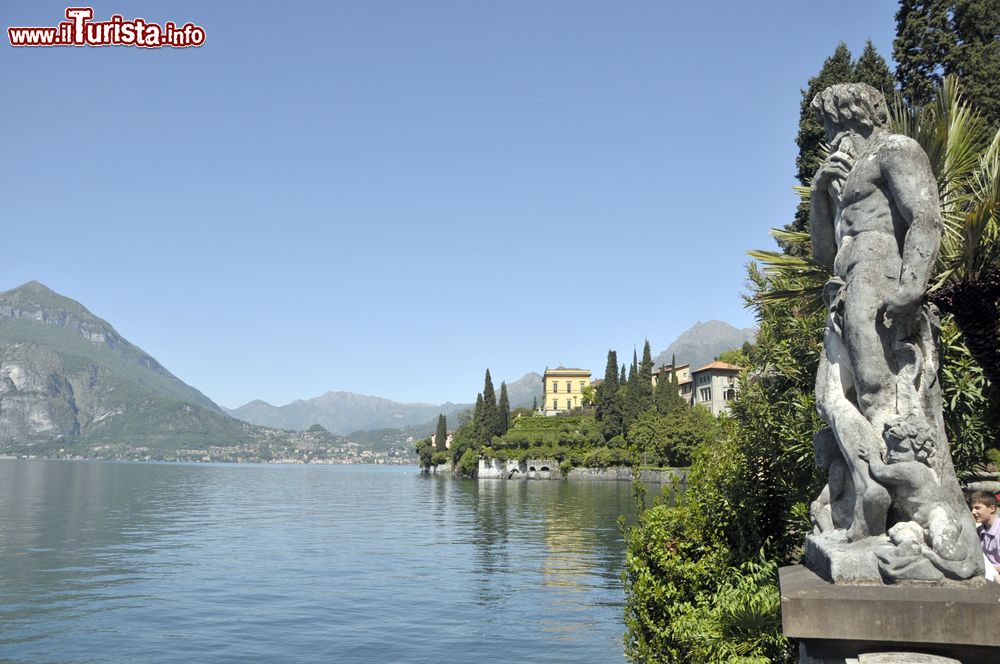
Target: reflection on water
x=117 y=562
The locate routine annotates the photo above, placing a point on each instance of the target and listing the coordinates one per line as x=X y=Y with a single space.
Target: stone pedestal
x=915 y=622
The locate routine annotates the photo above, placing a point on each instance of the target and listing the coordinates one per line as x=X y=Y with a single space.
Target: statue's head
x=856 y=106
x=909 y=439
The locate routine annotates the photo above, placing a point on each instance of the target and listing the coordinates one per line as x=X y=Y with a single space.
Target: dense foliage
x=937 y=38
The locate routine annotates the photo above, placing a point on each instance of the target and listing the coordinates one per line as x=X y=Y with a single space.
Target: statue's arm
x=913 y=190
x=885 y=473
x=821 y=213
x=821 y=227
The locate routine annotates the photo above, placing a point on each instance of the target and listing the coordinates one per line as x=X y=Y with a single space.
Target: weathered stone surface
x=875 y=222
x=529 y=469
x=835 y=559
x=904 y=658
x=837 y=622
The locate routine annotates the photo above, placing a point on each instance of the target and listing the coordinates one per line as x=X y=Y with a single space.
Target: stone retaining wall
x=545 y=469
x=529 y=469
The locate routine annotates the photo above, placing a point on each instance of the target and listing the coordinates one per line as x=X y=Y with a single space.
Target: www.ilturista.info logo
x=80 y=30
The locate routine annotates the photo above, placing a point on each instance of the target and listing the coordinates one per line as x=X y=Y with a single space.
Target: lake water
x=132 y=562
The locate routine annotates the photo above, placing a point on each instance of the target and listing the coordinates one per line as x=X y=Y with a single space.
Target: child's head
x=984 y=507
x=908 y=439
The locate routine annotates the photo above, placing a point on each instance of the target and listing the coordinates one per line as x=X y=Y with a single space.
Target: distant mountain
x=68 y=378
x=704 y=342
x=350 y=414
x=524 y=390
x=342 y=412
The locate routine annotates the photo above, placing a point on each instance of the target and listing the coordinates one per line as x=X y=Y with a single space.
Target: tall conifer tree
x=646 y=378
x=924 y=44
x=478 y=421
x=610 y=383
x=503 y=410
x=871 y=68
x=976 y=59
x=491 y=423
x=935 y=38
x=441 y=435
x=609 y=412
x=666 y=396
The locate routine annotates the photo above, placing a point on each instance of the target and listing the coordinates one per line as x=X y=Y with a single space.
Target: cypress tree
x=610 y=384
x=478 y=421
x=871 y=68
x=534 y=403
x=666 y=397
x=441 y=435
x=633 y=401
x=490 y=421
x=976 y=58
x=646 y=378
x=646 y=367
x=924 y=43
x=503 y=411
x=609 y=412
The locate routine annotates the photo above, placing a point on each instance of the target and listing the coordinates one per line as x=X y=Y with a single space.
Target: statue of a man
x=875 y=221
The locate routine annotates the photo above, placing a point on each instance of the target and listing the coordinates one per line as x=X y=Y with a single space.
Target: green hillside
x=69 y=380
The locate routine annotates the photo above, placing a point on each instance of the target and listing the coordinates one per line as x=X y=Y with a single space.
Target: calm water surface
x=119 y=562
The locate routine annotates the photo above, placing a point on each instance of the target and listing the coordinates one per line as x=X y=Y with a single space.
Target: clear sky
x=388 y=197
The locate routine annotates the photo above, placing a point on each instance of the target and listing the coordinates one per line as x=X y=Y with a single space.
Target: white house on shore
x=712 y=386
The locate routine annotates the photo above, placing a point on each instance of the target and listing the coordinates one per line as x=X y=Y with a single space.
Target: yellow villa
x=563 y=389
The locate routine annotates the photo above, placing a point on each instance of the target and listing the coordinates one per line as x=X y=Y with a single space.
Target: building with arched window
x=712 y=386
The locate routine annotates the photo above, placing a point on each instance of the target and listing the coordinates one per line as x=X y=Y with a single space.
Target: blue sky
x=388 y=197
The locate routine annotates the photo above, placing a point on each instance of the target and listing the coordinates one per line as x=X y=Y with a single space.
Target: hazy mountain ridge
x=341 y=413
x=703 y=342
x=347 y=413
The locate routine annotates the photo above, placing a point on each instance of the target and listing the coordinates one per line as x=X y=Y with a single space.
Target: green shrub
x=742 y=623
x=469 y=463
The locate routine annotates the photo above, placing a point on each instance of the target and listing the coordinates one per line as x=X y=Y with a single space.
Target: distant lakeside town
x=348 y=454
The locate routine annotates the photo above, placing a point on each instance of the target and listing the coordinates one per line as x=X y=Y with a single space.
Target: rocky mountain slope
x=67 y=378
x=703 y=342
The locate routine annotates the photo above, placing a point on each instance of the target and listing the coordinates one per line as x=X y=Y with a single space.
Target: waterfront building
x=563 y=389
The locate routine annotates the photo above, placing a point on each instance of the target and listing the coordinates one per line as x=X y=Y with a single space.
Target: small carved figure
x=928 y=528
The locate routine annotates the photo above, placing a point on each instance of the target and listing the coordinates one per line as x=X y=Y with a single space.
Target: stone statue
x=875 y=221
